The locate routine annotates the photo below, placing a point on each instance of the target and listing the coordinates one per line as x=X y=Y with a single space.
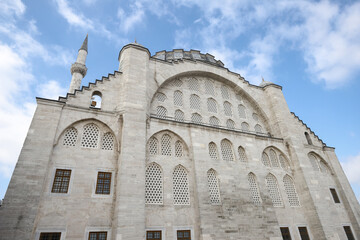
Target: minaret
x=78 y=68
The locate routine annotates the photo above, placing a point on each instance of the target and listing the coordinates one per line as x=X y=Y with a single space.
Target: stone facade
x=189 y=145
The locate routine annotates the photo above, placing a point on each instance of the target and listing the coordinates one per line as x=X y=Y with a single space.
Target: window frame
x=308 y=231
x=95 y=177
x=183 y=230
x=351 y=229
x=98 y=232
x=50 y=230
x=153 y=230
x=289 y=228
x=162 y=229
x=72 y=174
x=88 y=230
x=97 y=183
x=334 y=195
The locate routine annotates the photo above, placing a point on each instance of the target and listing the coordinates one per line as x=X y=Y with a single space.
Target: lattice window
x=178 y=149
x=161 y=97
x=213 y=183
x=255 y=117
x=230 y=124
x=283 y=162
x=61 y=181
x=265 y=160
x=177 y=83
x=194 y=101
x=161 y=112
x=213 y=152
x=179 y=116
x=194 y=84
x=209 y=88
x=314 y=162
x=291 y=191
x=238 y=97
x=211 y=105
x=103 y=183
x=153 y=184
x=226 y=150
x=70 y=137
x=244 y=126
x=153 y=146
x=323 y=167
x=225 y=92
x=242 y=154
x=166 y=145
x=181 y=186
x=254 y=189
x=107 y=141
x=273 y=188
x=178 y=98
x=214 y=121
x=90 y=136
x=273 y=159
x=242 y=111
x=196 y=118
x=227 y=109
x=258 y=128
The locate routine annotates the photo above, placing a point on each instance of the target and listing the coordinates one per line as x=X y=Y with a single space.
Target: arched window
x=258 y=128
x=314 y=162
x=178 y=149
x=161 y=112
x=194 y=101
x=107 y=141
x=242 y=111
x=255 y=117
x=308 y=139
x=179 y=115
x=177 y=83
x=265 y=159
x=227 y=109
x=209 y=88
x=254 y=189
x=166 y=145
x=324 y=167
x=90 y=136
x=211 y=105
x=153 y=146
x=214 y=121
x=96 y=99
x=244 y=126
x=213 y=184
x=181 y=186
x=284 y=162
x=153 y=184
x=194 y=84
x=70 y=137
x=225 y=92
x=242 y=154
x=291 y=191
x=196 y=118
x=161 y=97
x=273 y=188
x=273 y=158
x=213 y=152
x=226 y=150
x=230 y=124
x=178 y=98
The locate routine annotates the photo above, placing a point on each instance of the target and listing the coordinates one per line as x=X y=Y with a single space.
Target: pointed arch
x=227 y=108
x=107 y=141
x=153 y=146
x=274 y=191
x=166 y=145
x=314 y=161
x=179 y=115
x=70 y=137
x=194 y=102
x=254 y=189
x=273 y=158
x=265 y=159
x=291 y=191
x=214 y=187
x=230 y=124
x=161 y=97
x=181 y=193
x=214 y=121
x=213 y=151
x=225 y=92
x=242 y=111
x=153 y=184
x=244 y=126
x=212 y=105
x=193 y=84
x=284 y=163
x=178 y=98
x=178 y=148
x=227 y=150
x=161 y=112
x=242 y=154
x=258 y=128
x=90 y=137
x=209 y=87
x=196 y=118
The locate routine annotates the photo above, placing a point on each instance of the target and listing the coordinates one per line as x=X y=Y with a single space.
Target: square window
x=61 y=181
x=153 y=235
x=304 y=233
x=349 y=233
x=50 y=236
x=334 y=195
x=285 y=233
x=183 y=235
x=97 y=235
x=103 y=183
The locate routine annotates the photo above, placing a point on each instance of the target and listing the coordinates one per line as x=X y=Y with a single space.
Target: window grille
x=242 y=111
x=181 y=186
x=211 y=105
x=194 y=84
x=161 y=97
x=214 y=121
x=242 y=154
x=285 y=233
x=323 y=167
x=209 y=88
x=227 y=109
x=103 y=183
x=244 y=126
x=265 y=159
x=348 y=232
x=283 y=162
x=70 y=137
x=314 y=162
x=61 y=181
x=194 y=101
x=161 y=112
x=153 y=235
x=225 y=92
x=153 y=146
x=183 y=235
x=258 y=128
x=166 y=145
x=213 y=152
x=90 y=136
x=254 y=189
x=178 y=98
x=153 y=184
x=178 y=149
x=226 y=150
x=273 y=159
x=273 y=188
x=213 y=183
x=291 y=191
x=255 y=117
x=50 y=236
x=107 y=141
x=97 y=235
x=177 y=83
x=304 y=233
x=196 y=118
x=238 y=97
x=179 y=116
x=230 y=124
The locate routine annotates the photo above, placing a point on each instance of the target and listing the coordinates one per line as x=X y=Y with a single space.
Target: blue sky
x=311 y=48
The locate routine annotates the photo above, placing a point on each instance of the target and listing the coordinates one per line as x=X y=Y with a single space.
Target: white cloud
x=12 y=7
x=74 y=19
x=135 y=17
x=51 y=90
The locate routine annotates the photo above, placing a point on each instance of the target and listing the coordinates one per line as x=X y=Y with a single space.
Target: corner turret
x=78 y=69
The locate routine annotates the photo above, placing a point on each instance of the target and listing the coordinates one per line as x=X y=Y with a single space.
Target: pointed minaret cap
x=84 y=46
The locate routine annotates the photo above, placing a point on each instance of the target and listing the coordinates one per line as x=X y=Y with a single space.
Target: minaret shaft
x=78 y=69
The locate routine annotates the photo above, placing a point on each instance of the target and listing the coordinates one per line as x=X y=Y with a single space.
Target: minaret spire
x=78 y=68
